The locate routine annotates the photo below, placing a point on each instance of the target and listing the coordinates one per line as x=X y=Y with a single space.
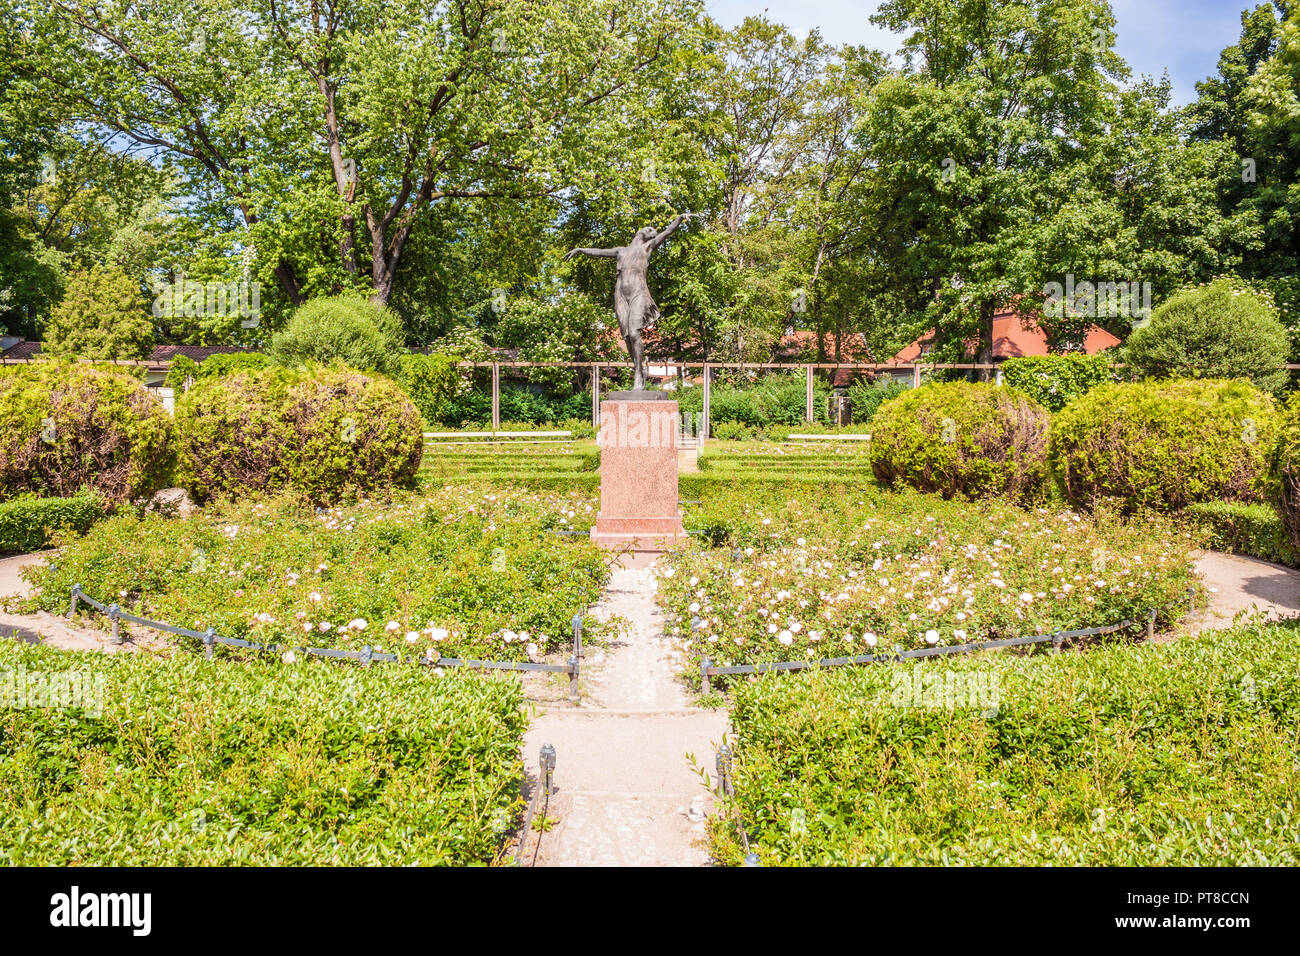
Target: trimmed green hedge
x=222 y=363
x=1255 y=530
x=29 y=523
x=267 y=763
x=1172 y=754
x=962 y=439
x=1165 y=445
x=66 y=426
x=325 y=432
x=1055 y=380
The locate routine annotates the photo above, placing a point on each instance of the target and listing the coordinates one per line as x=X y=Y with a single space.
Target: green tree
x=101 y=316
x=1253 y=181
x=30 y=278
x=994 y=98
x=1272 y=99
x=328 y=135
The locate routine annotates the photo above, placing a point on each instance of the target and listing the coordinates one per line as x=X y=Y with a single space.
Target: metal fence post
x=546 y=766
x=573 y=680
x=705 y=688
x=723 y=764
x=577 y=635
x=209 y=638
x=366 y=653
x=72 y=608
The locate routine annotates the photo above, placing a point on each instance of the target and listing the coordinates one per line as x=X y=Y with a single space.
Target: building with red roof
x=1014 y=336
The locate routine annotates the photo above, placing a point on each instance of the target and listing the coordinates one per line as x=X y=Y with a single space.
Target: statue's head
x=646 y=233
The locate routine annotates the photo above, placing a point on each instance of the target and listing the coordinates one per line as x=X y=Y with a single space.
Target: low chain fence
x=1057 y=639
x=366 y=656
x=725 y=788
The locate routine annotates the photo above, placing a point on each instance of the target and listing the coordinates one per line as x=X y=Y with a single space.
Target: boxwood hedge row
x=193 y=762
x=1179 y=753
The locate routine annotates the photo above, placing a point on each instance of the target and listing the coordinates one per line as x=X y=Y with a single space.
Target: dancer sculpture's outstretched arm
x=669 y=229
x=603 y=253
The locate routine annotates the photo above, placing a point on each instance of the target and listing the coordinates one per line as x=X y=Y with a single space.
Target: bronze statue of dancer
x=633 y=305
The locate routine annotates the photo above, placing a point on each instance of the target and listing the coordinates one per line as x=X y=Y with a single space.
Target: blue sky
x=1183 y=37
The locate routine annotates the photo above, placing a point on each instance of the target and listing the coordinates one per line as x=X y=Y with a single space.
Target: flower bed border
x=366 y=655
x=1058 y=638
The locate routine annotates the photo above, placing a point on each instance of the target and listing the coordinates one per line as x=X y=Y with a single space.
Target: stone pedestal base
x=638 y=476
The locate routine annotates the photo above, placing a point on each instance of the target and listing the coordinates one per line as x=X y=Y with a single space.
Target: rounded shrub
x=68 y=426
x=1165 y=445
x=1286 y=470
x=962 y=439
x=1217 y=331
x=325 y=432
x=340 y=328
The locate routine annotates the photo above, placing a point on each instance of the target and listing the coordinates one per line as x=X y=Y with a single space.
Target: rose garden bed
x=847 y=570
x=472 y=572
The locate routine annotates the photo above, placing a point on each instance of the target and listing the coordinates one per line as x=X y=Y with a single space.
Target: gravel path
x=1241 y=586
x=49 y=629
x=627 y=793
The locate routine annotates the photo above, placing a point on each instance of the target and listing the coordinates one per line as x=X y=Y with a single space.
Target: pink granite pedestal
x=638 y=477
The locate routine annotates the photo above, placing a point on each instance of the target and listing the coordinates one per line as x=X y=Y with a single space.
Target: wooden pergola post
x=595 y=396
x=704 y=411
x=496 y=396
x=808 y=410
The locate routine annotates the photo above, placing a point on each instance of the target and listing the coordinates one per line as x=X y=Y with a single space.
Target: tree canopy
x=439 y=156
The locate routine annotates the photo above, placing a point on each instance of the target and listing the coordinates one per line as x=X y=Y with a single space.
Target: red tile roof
x=161 y=354
x=1013 y=337
x=22 y=350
